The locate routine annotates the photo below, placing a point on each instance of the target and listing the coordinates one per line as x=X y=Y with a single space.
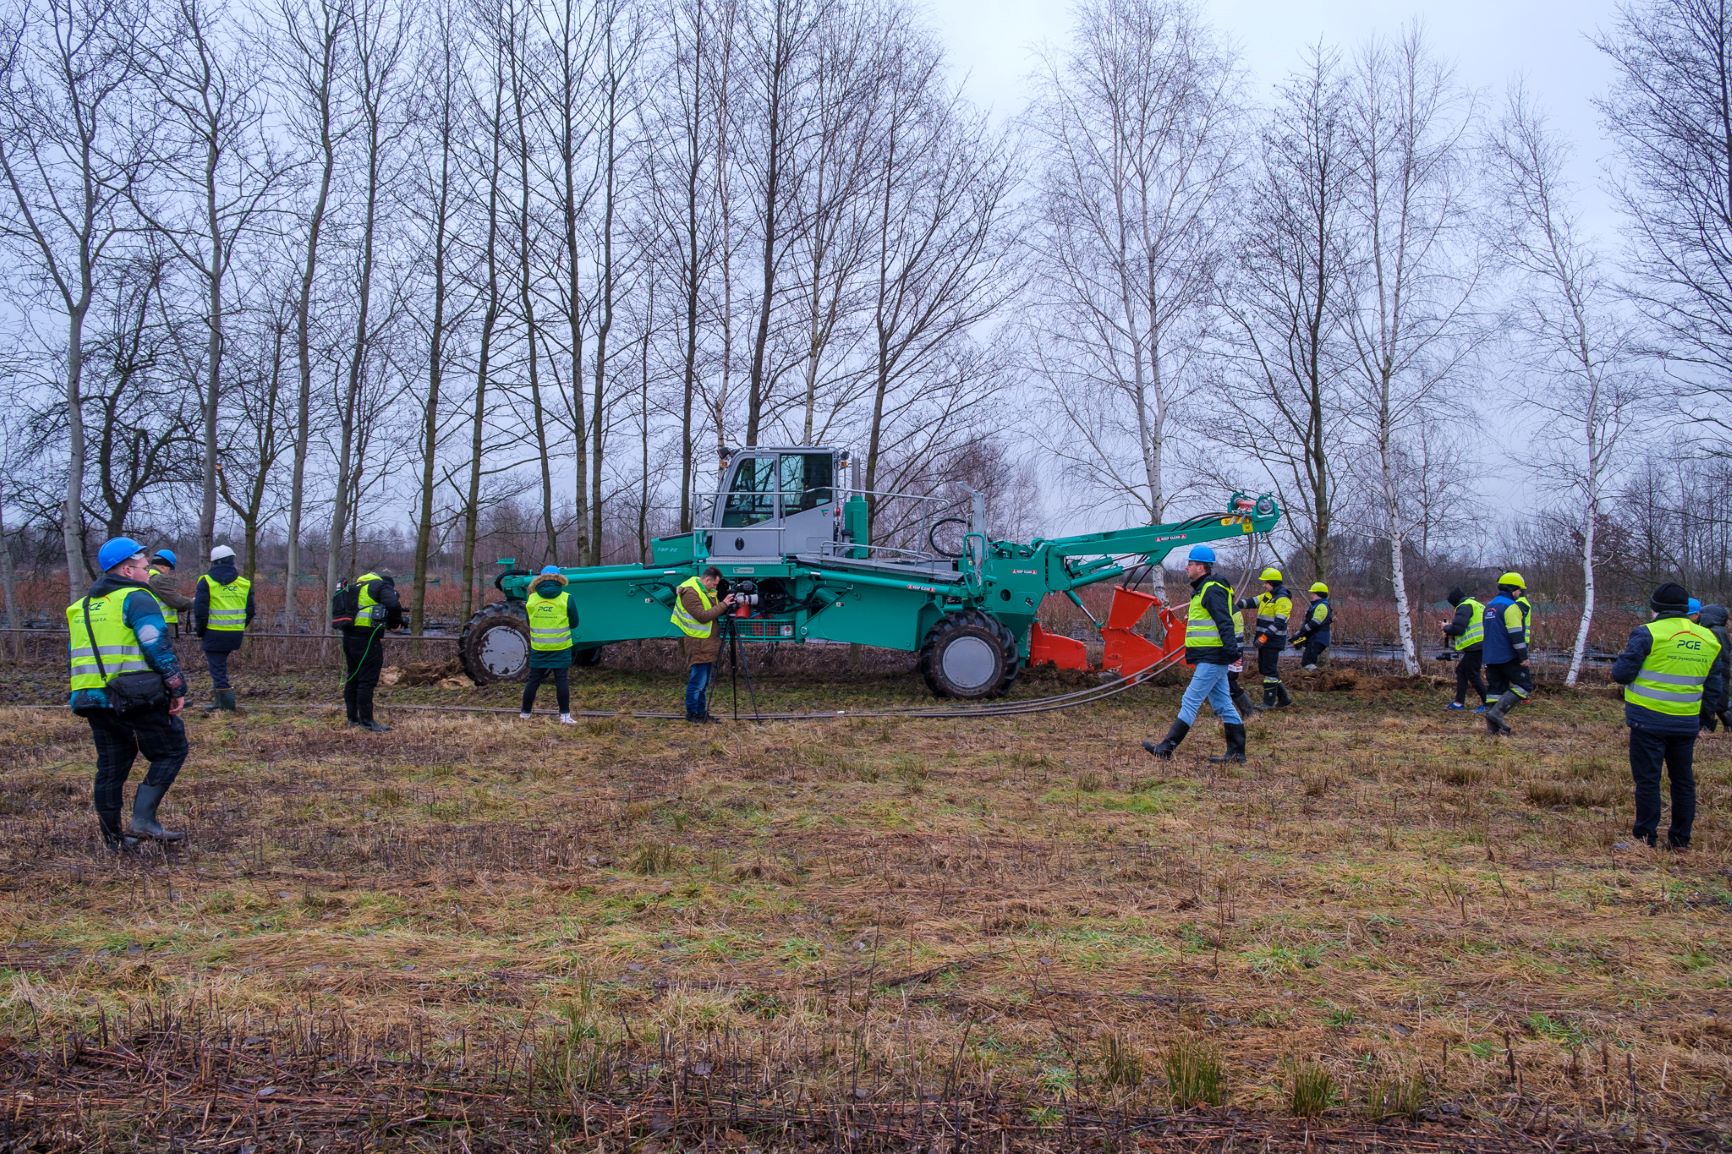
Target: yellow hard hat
x=1270 y=574
x=1512 y=578
x=1319 y=587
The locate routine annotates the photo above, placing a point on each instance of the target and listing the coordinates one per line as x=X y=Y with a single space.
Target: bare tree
x=1576 y=353
x=1414 y=275
x=312 y=57
x=70 y=148
x=1135 y=129
x=1668 y=111
x=219 y=171
x=1286 y=296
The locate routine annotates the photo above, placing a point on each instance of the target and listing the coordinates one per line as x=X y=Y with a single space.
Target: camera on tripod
x=746 y=596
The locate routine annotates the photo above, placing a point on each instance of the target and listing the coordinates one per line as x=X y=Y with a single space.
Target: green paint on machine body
x=785 y=528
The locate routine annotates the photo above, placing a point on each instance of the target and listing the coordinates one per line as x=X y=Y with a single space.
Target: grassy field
x=1386 y=931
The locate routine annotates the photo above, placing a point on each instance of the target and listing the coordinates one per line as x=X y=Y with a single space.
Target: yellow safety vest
x=1680 y=657
x=1200 y=629
x=365 y=601
x=228 y=604
x=107 y=634
x=688 y=624
x=549 y=621
x=168 y=611
x=1474 y=634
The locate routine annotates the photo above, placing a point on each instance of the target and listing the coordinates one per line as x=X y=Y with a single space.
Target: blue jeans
x=1209 y=683
x=698 y=689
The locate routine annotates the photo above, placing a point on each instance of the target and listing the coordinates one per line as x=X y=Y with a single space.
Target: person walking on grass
x=222 y=608
x=127 y=683
x=1669 y=667
x=1210 y=647
x=696 y=610
x=1508 y=678
x=1466 y=631
x=552 y=616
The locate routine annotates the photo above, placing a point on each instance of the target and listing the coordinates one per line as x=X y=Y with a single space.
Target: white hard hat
x=222 y=553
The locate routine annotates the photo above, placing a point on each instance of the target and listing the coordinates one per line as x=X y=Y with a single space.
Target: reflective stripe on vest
x=1273 y=607
x=549 y=621
x=1474 y=634
x=107 y=636
x=1200 y=629
x=364 y=599
x=168 y=611
x=228 y=604
x=1680 y=656
x=688 y=624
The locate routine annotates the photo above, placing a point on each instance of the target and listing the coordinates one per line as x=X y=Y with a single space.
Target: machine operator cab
x=776 y=502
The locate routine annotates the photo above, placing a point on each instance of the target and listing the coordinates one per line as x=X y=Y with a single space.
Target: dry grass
x=480 y=933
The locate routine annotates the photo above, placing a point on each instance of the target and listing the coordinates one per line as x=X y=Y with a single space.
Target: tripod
x=737 y=662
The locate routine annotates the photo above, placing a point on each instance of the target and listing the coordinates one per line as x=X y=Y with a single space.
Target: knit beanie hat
x=1670 y=598
x=1455 y=596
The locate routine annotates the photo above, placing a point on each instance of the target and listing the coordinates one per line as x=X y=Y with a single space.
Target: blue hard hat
x=114 y=551
x=1695 y=606
x=550 y=571
x=1201 y=553
x=166 y=555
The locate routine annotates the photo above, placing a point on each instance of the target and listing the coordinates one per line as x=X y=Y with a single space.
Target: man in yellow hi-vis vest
x=1668 y=667
x=127 y=683
x=222 y=608
x=696 y=609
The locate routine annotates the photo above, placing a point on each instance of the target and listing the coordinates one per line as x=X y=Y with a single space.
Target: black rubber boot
x=1494 y=717
x=1243 y=703
x=226 y=701
x=1164 y=750
x=144 y=823
x=1282 y=698
x=1235 y=746
x=112 y=837
x=1268 y=697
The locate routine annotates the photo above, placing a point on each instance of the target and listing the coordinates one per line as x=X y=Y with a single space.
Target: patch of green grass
x=1311 y=1090
x=1564 y=1033
x=1194 y=1075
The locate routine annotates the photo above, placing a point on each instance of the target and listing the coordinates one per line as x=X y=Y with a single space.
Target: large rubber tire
x=588 y=658
x=494 y=645
x=969 y=656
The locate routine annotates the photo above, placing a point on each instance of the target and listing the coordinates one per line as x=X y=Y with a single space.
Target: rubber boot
x=1164 y=750
x=1268 y=697
x=1235 y=746
x=1494 y=722
x=225 y=700
x=1282 y=698
x=215 y=703
x=1243 y=703
x=144 y=823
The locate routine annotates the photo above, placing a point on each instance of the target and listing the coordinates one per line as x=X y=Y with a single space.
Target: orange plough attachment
x=1125 y=650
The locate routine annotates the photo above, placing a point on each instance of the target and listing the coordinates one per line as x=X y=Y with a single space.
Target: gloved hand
x=1710 y=722
x=1262 y=639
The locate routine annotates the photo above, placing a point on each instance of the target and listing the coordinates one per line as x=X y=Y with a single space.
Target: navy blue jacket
x=1310 y=630
x=142 y=613
x=1629 y=663
x=1500 y=646
x=219 y=640
x=1220 y=609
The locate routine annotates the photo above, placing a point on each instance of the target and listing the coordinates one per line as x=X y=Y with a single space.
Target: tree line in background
x=339 y=277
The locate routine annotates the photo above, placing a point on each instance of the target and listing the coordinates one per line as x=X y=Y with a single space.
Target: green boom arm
x=1090 y=558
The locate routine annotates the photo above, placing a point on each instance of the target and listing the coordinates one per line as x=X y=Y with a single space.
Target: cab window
x=752 y=497
x=807 y=480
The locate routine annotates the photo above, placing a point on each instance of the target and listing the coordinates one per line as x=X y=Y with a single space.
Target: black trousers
x=119 y=739
x=1467 y=666
x=1269 y=663
x=1649 y=751
x=561 y=679
x=363 y=658
x=218 y=663
x=1509 y=675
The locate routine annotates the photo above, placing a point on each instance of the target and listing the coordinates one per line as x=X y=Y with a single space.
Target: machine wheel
x=494 y=645
x=968 y=656
x=587 y=658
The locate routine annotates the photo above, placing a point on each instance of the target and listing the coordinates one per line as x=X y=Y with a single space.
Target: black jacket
x=1713 y=619
x=1219 y=606
x=220 y=640
x=1459 y=624
x=384 y=592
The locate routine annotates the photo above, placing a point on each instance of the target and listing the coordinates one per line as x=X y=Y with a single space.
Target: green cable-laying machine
x=790 y=536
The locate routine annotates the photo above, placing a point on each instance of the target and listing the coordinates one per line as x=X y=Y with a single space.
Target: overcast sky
x=992 y=45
